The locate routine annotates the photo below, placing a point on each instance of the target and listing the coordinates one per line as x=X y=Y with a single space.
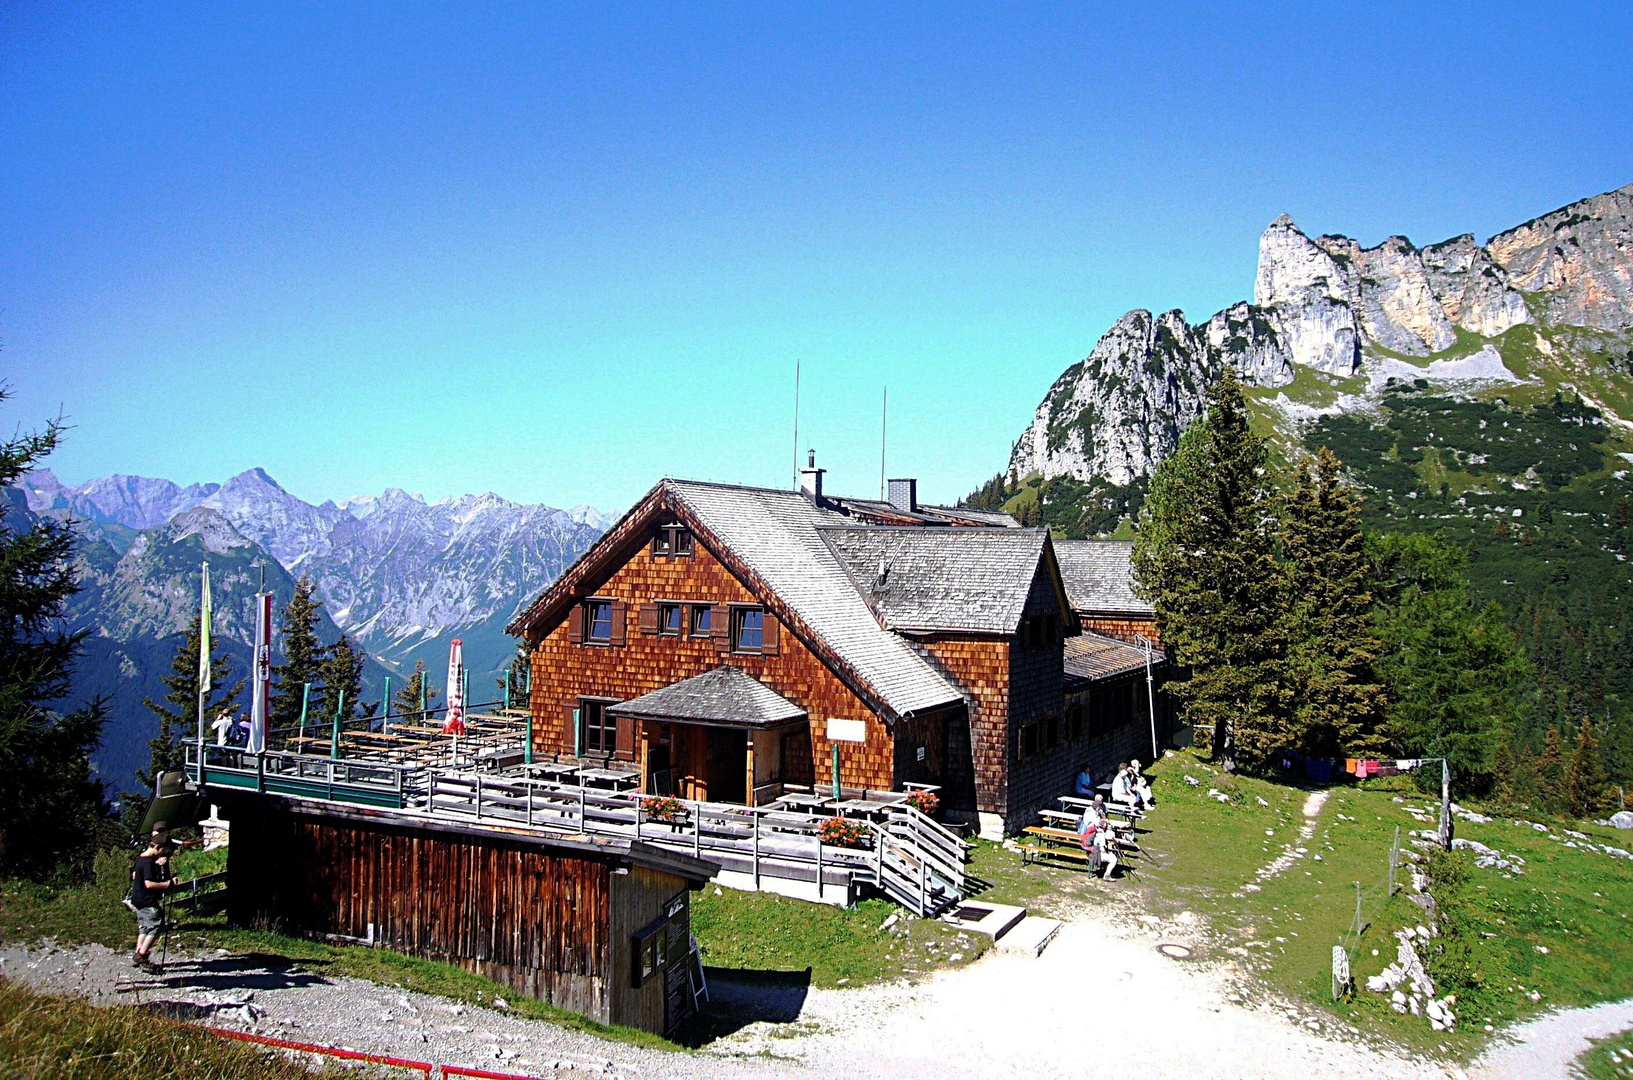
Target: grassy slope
x=47 y=1037
x=1570 y=901
x=93 y=914
x=1610 y=1059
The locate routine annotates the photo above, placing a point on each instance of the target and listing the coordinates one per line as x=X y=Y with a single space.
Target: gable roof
x=770 y=540
x=724 y=695
x=941 y=579
x=1099 y=576
x=1092 y=656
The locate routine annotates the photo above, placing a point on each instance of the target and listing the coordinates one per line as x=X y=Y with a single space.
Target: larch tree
x=1206 y=558
x=178 y=716
x=407 y=700
x=1585 y=782
x=302 y=655
x=1336 y=698
x=51 y=810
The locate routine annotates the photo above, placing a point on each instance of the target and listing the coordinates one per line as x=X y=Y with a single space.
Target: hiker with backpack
x=150 y=882
x=1094 y=833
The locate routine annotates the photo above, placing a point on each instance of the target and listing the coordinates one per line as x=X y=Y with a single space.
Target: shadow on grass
x=739 y=997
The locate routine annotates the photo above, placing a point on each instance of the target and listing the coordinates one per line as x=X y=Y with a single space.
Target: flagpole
x=203 y=660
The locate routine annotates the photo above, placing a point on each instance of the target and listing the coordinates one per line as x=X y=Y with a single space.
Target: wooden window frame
x=675 y=607
x=695 y=611
x=739 y=627
x=649 y=954
x=607 y=724
x=673 y=540
x=587 y=613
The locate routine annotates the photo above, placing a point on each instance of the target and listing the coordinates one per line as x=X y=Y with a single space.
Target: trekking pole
x=164 y=939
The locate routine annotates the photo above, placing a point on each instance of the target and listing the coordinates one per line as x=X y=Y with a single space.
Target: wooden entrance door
x=726 y=772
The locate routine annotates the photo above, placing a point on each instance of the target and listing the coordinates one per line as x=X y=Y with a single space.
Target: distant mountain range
x=400 y=575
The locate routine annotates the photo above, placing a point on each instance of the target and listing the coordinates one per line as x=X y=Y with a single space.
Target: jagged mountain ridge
x=1330 y=306
x=399 y=574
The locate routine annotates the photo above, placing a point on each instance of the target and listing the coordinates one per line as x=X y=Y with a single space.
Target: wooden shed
x=596 y=925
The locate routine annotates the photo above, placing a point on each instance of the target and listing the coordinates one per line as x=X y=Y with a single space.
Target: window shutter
x=618 y=633
x=720 y=627
x=770 y=634
x=649 y=618
x=626 y=738
x=575 y=624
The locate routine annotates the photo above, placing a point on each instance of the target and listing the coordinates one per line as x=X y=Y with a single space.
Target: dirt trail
x=1004 y=1016
x=1293 y=852
x=1544 y=1048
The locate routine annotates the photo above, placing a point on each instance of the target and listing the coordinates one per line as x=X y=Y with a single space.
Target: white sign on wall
x=847 y=730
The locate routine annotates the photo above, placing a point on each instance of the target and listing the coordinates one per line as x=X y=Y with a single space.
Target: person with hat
x=151 y=881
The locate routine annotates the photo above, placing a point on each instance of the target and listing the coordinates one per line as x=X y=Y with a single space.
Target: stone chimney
x=810 y=479
x=903 y=494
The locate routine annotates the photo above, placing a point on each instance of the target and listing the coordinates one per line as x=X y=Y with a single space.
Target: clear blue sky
x=559 y=253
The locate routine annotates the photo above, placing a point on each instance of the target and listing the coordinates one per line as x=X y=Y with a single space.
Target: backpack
x=1086 y=837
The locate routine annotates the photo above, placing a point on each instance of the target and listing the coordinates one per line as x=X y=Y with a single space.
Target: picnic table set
x=1057 y=836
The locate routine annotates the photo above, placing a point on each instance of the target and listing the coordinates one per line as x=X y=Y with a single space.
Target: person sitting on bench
x=1140 y=786
x=1085 y=782
x=1105 y=850
x=1122 y=789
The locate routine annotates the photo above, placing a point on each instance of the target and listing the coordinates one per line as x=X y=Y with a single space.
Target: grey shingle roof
x=775 y=533
x=1098 y=576
x=725 y=695
x=941 y=578
x=1094 y=656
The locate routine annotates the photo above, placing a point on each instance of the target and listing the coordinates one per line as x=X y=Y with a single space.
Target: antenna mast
x=884 y=413
x=796 y=424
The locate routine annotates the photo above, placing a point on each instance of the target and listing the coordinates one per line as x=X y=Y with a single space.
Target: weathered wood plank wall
x=530 y=919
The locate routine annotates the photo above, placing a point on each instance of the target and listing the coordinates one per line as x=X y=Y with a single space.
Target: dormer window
x=672 y=540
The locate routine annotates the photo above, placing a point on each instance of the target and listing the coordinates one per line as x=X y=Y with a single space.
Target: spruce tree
x=1585 y=780
x=303 y=656
x=1551 y=770
x=407 y=699
x=517 y=675
x=1337 y=701
x=50 y=808
x=178 y=717
x=1205 y=557
x=1454 y=669
x=342 y=670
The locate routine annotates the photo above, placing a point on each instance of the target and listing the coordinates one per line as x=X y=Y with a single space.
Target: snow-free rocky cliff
x=1332 y=306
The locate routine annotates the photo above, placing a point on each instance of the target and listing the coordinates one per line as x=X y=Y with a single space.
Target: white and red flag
x=261 y=703
x=454 y=722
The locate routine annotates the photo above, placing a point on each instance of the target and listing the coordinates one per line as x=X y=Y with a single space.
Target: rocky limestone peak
x=1579 y=256
x=1324 y=303
x=211 y=527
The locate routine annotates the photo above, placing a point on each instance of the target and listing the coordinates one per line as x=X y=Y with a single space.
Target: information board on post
x=847 y=730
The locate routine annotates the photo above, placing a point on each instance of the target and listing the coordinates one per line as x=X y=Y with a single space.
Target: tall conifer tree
x=1551 y=769
x=1337 y=701
x=1205 y=557
x=1585 y=779
x=407 y=699
x=342 y=670
x=50 y=808
x=302 y=655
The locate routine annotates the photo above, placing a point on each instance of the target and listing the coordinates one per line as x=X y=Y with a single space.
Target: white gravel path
x=1543 y=1049
x=1006 y=1015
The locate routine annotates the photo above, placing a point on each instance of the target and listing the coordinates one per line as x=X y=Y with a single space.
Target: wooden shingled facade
x=555 y=919
x=566 y=670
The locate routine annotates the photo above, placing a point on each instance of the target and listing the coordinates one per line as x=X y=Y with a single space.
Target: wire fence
x=1369 y=900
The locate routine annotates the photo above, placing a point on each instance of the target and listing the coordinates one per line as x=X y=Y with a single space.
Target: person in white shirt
x=1139 y=785
x=1122 y=790
x=1105 y=848
x=222 y=727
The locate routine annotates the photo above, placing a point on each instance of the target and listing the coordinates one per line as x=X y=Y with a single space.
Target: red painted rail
x=428 y=1069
